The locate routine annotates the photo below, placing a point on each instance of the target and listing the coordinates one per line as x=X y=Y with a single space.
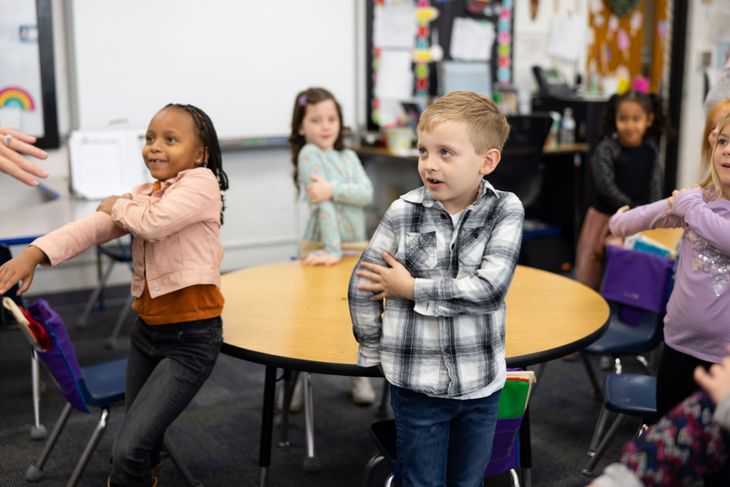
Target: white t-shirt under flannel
x=450 y=341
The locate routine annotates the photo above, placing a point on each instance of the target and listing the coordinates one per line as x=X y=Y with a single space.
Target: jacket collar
x=149 y=188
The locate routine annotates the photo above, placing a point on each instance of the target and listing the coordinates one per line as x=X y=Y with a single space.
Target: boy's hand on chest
x=392 y=280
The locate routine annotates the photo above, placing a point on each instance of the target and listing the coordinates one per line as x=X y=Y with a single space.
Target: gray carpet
x=218 y=434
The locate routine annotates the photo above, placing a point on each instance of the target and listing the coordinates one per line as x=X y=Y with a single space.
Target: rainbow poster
x=13 y=96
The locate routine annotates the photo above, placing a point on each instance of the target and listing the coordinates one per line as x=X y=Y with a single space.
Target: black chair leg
x=373 y=463
x=603 y=445
x=383 y=407
x=290 y=381
x=597 y=393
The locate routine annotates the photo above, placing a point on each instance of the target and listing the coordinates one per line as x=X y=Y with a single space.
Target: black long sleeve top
x=625 y=175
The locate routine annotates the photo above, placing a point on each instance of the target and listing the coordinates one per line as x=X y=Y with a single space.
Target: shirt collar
x=422 y=196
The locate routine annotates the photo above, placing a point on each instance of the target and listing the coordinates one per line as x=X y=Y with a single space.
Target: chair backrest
x=512 y=405
x=521 y=168
x=637 y=282
x=60 y=359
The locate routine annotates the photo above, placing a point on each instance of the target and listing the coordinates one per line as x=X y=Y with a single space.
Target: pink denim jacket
x=176 y=233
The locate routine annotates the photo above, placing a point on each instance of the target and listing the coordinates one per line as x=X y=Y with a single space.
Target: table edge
x=332 y=368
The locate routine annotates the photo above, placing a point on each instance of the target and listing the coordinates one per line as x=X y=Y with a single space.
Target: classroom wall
x=707 y=22
x=263 y=220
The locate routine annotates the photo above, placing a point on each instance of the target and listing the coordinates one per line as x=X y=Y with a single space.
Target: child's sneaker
x=361 y=392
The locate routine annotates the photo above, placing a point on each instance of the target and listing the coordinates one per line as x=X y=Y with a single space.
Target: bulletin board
x=435 y=29
x=619 y=38
x=27 y=82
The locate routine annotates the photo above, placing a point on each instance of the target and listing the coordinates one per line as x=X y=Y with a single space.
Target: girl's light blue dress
x=341 y=219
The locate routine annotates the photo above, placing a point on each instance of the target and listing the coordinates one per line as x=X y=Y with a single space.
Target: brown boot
x=155 y=474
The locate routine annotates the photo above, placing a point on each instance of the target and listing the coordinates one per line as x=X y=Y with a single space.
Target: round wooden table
x=295 y=317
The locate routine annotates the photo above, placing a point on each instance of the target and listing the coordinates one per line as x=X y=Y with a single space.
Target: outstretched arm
x=21 y=269
x=654 y=215
x=73 y=238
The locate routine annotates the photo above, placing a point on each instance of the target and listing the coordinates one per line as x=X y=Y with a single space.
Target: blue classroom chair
x=37 y=431
x=636 y=285
x=119 y=252
x=625 y=395
x=97 y=386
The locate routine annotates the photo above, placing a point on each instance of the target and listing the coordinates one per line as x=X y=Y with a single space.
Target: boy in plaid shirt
x=443 y=256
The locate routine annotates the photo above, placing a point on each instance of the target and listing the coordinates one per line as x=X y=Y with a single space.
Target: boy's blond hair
x=488 y=128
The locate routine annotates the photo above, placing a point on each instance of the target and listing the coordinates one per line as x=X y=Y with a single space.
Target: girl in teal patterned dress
x=337 y=189
x=330 y=176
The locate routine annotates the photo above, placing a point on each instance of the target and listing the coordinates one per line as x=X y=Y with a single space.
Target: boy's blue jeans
x=443 y=441
x=167 y=365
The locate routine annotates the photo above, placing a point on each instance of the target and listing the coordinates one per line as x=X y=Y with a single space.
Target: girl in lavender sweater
x=697 y=323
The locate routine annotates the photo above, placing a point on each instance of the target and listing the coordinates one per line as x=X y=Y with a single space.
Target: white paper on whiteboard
x=395 y=26
x=567 y=38
x=472 y=40
x=395 y=76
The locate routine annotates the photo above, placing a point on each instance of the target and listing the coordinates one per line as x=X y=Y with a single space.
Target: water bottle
x=567 y=128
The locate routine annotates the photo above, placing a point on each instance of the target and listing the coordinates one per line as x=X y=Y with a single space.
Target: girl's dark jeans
x=167 y=366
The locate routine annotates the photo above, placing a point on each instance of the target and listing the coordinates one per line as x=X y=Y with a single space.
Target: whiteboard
x=241 y=61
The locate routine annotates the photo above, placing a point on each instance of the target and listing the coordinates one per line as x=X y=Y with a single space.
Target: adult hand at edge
x=12 y=161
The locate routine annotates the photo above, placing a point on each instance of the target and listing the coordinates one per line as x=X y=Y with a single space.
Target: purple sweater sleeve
x=698 y=216
x=645 y=217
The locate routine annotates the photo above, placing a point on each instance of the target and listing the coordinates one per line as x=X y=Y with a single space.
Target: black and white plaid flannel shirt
x=450 y=341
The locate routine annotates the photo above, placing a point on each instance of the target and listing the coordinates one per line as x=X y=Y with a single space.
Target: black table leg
x=267 y=425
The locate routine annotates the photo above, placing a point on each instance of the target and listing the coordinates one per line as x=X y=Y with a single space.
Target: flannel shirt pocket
x=421 y=251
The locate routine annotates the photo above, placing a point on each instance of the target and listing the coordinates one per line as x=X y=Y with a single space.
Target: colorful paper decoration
x=425 y=14
x=377 y=52
x=504 y=43
x=14 y=96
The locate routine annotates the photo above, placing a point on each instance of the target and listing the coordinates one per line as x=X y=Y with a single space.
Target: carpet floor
x=218 y=434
